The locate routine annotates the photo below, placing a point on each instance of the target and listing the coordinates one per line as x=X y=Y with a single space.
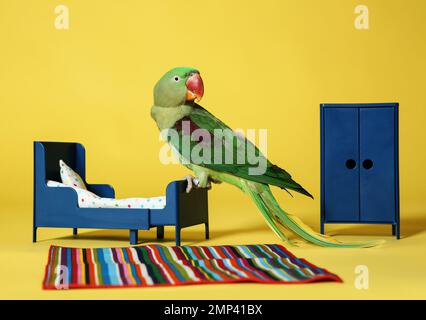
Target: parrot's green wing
x=225 y=142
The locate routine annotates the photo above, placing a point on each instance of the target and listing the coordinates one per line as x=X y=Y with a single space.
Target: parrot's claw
x=194 y=182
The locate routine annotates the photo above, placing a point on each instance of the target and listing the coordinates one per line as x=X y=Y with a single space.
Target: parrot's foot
x=194 y=182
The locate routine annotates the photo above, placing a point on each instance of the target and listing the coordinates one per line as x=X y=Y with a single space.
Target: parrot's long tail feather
x=267 y=214
x=276 y=217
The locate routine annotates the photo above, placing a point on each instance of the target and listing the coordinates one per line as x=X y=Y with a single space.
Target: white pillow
x=70 y=177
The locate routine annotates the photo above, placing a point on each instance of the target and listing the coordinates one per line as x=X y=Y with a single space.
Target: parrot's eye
x=176 y=78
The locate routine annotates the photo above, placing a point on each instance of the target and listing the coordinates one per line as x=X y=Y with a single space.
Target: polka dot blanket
x=87 y=199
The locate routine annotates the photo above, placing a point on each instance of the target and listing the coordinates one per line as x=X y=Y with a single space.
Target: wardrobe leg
x=34 y=234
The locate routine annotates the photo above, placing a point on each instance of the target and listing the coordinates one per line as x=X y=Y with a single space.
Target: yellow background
x=265 y=64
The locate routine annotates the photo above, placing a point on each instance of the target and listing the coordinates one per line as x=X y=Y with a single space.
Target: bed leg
x=177 y=236
x=133 y=237
x=74 y=231
x=34 y=234
x=207 y=230
x=160 y=232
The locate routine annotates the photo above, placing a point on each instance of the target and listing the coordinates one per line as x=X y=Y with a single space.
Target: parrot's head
x=178 y=86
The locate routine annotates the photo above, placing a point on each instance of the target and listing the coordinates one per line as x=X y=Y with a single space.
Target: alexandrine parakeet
x=178 y=117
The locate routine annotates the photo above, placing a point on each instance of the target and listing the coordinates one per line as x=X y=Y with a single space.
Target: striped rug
x=156 y=265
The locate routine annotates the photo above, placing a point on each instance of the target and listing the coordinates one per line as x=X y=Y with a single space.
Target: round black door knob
x=367 y=164
x=350 y=164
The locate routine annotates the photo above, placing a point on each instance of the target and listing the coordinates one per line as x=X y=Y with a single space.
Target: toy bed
x=58 y=207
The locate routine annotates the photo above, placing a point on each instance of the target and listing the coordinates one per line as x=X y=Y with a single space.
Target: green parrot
x=190 y=129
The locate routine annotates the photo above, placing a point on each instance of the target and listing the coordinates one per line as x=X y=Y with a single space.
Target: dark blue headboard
x=46 y=167
x=48 y=154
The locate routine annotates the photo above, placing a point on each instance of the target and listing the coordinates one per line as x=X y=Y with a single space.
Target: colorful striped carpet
x=156 y=265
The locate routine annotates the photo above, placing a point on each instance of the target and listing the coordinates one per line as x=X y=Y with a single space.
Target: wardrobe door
x=377 y=167
x=341 y=170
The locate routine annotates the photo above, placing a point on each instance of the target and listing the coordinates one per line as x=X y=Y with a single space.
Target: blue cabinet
x=359 y=164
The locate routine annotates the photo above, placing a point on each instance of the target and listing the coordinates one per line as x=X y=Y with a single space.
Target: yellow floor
x=396 y=270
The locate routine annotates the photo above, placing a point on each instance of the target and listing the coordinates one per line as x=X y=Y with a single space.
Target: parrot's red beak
x=195 y=87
